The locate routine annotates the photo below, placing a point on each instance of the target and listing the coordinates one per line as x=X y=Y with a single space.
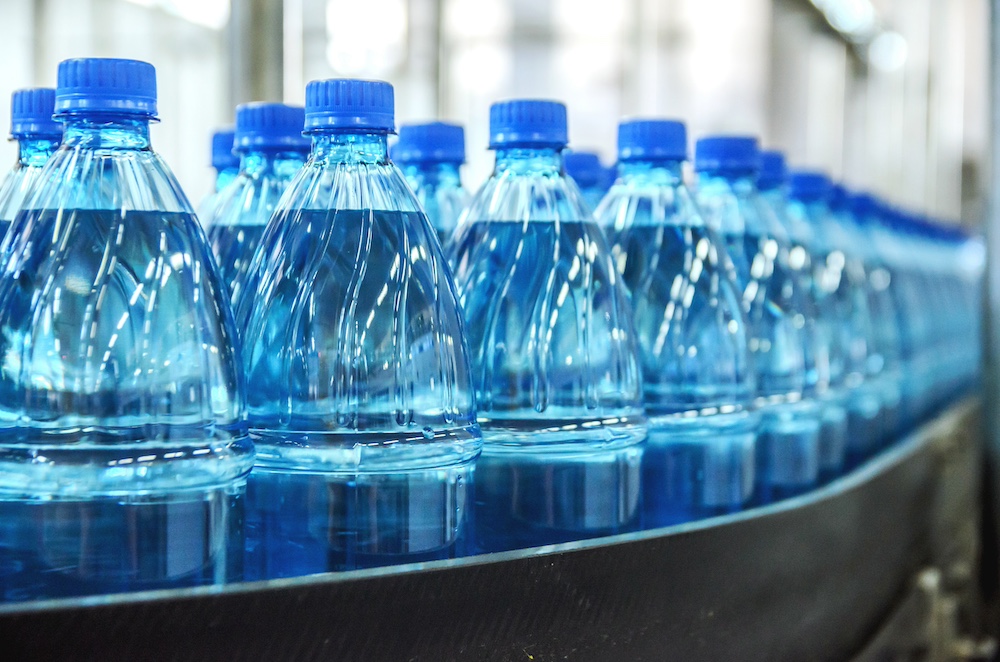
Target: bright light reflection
x=212 y=14
x=353 y=49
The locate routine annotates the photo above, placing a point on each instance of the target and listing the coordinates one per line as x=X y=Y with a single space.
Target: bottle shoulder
x=509 y=195
x=107 y=178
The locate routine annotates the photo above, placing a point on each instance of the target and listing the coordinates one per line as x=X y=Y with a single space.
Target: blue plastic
x=430 y=156
x=124 y=446
x=852 y=402
x=106 y=85
x=223 y=157
x=31 y=112
x=590 y=175
x=361 y=404
x=697 y=380
x=652 y=141
x=531 y=123
x=263 y=126
x=433 y=142
x=773 y=171
x=555 y=357
x=344 y=104
x=269 y=140
x=728 y=155
x=38 y=137
x=227 y=165
x=788 y=448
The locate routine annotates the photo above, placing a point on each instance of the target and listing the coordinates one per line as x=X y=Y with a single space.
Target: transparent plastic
x=697 y=381
x=788 y=447
x=884 y=365
x=841 y=284
x=439 y=189
x=32 y=155
x=124 y=450
x=243 y=208
x=831 y=317
x=209 y=205
x=362 y=407
x=555 y=360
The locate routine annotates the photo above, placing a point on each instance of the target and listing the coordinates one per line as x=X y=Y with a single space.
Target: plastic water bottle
x=871 y=381
x=885 y=356
x=272 y=150
x=430 y=156
x=589 y=174
x=37 y=136
x=226 y=164
x=697 y=381
x=827 y=340
x=362 y=406
x=838 y=289
x=122 y=435
x=788 y=447
x=555 y=357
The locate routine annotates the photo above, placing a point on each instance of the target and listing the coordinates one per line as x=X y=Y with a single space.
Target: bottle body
x=439 y=189
x=243 y=209
x=125 y=450
x=839 y=283
x=788 y=446
x=697 y=382
x=33 y=153
x=555 y=364
x=362 y=408
x=829 y=311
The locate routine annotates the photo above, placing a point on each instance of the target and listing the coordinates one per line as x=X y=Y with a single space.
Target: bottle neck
x=102 y=131
x=351 y=147
x=666 y=173
x=34 y=151
x=281 y=162
x=816 y=209
x=740 y=181
x=529 y=160
x=434 y=173
x=224 y=177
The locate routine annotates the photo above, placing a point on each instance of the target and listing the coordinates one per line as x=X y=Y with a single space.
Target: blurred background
x=890 y=95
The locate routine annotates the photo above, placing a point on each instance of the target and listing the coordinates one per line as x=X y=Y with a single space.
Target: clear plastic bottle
x=827 y=342
x=430 y=156
x=37 y=136
x=226 y=164
x=555 y=357
x=362 y=406
x=885 y=366
x=839 y=286
x=272 y=150
x=788 y=447
x=697 y=381
x=124 y=446
x=586 y=169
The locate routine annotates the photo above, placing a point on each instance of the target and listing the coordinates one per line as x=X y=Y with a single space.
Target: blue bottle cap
x=347 y=104
x=809 y=186
x=433 y=142
x=585 y=168
x=31 y=113
x=652 y=140
x=223 y=156
x=270 y=126
x=773 y=170
x=839 y=200
x=106 y=85
x=528 y=123
x=863 y=206
x=727 y=154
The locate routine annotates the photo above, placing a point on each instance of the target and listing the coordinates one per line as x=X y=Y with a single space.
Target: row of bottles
x=519 y=369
